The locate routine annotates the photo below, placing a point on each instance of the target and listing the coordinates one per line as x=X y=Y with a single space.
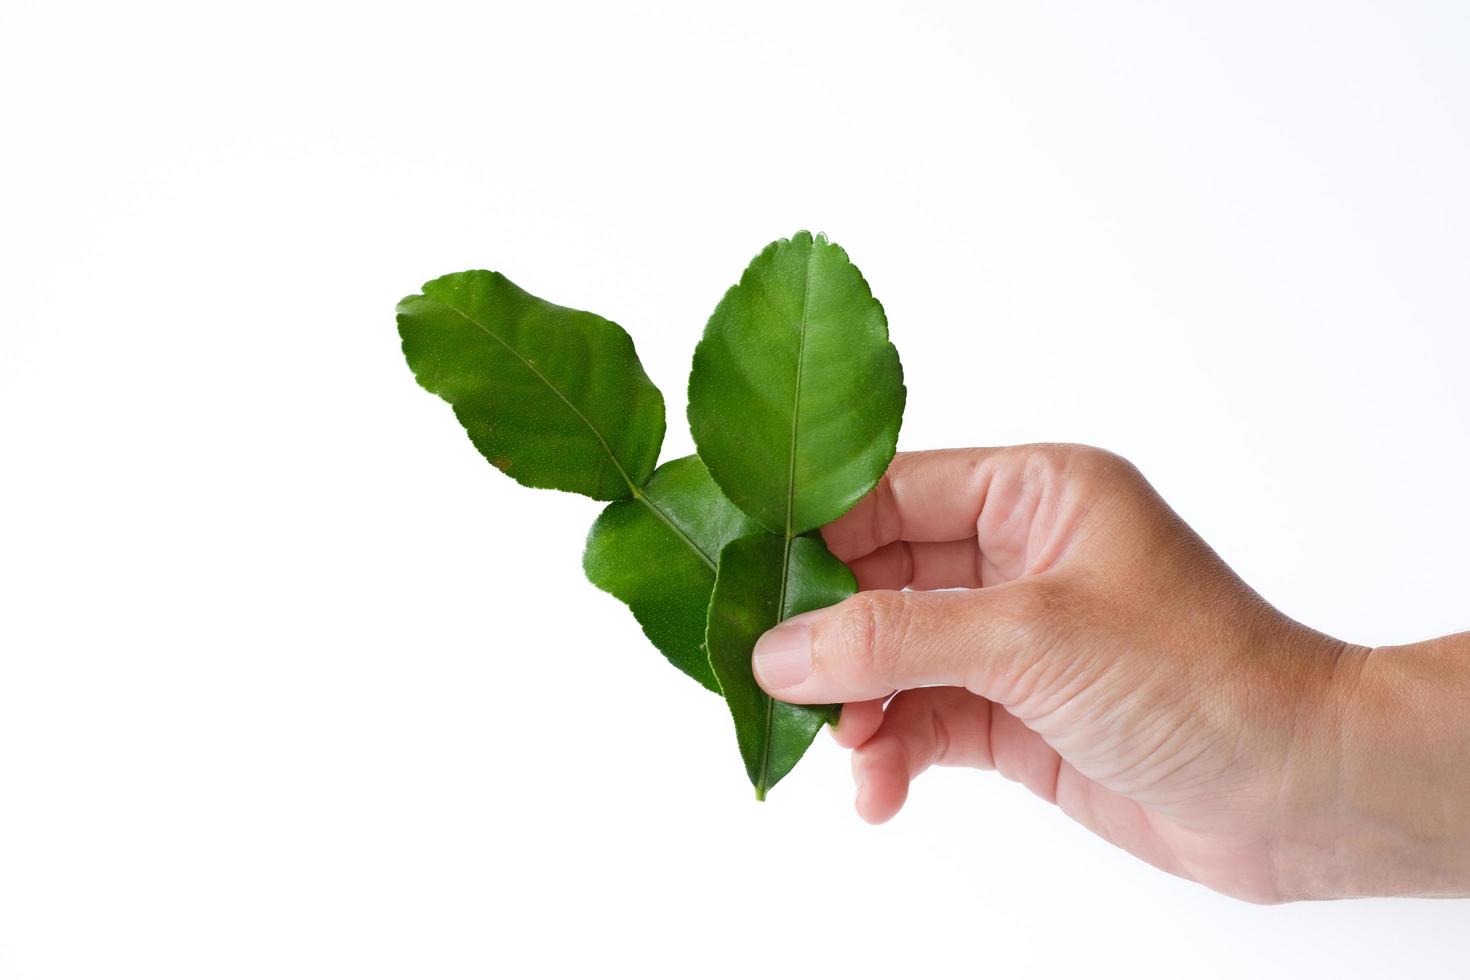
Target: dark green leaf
x=763 y=579
x=796 y=395
x=554 y=397
x=658 y=553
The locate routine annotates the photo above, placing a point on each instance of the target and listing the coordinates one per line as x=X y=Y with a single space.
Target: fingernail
x=783 y=657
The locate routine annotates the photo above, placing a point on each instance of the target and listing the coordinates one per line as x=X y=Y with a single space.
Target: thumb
x=877 y=642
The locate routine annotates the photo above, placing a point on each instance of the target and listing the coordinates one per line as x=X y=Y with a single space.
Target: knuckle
x=1104 y=467
x=1058 y=464
x=1044 y=462
x=868 y=633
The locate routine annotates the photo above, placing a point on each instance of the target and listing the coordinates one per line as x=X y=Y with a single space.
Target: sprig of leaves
x=797 y=357
x=795 y=401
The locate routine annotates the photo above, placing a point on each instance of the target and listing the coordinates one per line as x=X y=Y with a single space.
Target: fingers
x=920 y=565
x=1018 y=507
x=936 y=726
x=945 y=726
x=882 y=776
x=1022 y=755
x=927 y=496
x=858 y=722
x=877 y=642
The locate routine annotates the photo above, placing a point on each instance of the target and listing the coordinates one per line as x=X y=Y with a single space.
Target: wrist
x=1378 y=782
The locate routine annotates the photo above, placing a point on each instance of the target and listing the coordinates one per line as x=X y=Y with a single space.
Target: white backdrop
x=292 y=683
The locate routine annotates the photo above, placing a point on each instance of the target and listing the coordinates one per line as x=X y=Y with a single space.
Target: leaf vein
x=673 y=525
x=806 y=291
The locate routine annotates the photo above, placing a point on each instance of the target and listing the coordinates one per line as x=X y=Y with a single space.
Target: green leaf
x=796 y=394
x=553 y=397
x=658 y=553
x=763 y=579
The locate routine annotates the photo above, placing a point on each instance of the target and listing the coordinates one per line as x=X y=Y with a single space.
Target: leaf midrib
x=806 y=290
x=636 y=490
x=673 y=525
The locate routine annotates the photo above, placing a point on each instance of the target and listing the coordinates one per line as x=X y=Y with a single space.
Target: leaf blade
x=765 y=578
x=658 y=553
x=797 y=353
x=554 y=397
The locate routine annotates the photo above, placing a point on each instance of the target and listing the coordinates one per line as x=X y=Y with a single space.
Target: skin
x=1092 y=647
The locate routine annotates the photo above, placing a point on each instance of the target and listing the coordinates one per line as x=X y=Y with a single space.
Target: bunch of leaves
x=795 y=400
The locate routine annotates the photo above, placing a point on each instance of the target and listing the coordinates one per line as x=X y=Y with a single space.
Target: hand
x=1097 y=651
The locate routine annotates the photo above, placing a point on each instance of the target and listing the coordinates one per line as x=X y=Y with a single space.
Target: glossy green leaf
x=796 y=394
x=763 y=579
x=658 y=553
x=553 y=397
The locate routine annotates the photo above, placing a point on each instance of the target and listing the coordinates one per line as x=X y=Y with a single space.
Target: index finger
x=936 y=495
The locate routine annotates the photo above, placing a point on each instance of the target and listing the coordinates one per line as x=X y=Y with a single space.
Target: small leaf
x=553 y=397
x=658 y=553
x=796 y=394
x=763 y=579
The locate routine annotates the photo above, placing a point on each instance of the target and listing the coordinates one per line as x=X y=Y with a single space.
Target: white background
x=293 y=684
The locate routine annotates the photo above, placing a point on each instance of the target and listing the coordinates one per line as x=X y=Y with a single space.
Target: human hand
x=1096 y=650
